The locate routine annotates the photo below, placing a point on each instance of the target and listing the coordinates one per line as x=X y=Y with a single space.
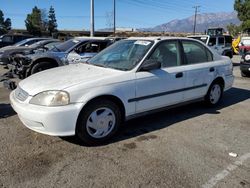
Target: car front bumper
x=245 y=67
x=54 y=121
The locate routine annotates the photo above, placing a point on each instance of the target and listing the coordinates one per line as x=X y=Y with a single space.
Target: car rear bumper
x=54 y=121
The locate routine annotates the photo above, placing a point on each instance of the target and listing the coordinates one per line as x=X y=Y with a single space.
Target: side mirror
x=149 y=65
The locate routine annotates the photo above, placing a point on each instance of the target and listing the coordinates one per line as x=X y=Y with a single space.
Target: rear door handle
x=179 y=75
x=211 y=69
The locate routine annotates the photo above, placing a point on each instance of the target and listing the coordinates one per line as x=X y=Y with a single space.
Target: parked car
x=10 y=39
x=72 y=51
x=220 y=43
x=245 y=65
x=7 y=51
x=132 y=77
x=29 y=41
x=244 y=45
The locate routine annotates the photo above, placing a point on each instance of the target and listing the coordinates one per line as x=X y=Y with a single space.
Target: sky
x=75 y=14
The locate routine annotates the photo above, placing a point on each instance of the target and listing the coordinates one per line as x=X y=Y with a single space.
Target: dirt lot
x=184 y=147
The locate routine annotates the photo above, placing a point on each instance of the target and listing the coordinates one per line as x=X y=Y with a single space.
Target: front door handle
x=211 y=69
x=179 y=75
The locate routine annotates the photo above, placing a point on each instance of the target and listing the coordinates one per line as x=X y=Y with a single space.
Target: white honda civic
x=133 y=77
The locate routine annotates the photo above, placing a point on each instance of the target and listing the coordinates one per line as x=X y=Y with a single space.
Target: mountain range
x=203 y=22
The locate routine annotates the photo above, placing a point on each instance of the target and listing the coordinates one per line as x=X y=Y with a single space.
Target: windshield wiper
x=99 y=65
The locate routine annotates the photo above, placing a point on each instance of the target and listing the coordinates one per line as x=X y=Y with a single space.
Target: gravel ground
x=184 y=147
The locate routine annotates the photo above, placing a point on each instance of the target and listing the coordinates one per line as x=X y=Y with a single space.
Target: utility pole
x=92 y=23
x=114 y=16
x=195 y=16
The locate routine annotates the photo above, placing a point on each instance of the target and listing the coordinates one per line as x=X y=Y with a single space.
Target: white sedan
x=131 y=78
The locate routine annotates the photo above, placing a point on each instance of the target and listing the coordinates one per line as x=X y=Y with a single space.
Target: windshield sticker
x=75 y=41
x=203 y=38
x=140 y=42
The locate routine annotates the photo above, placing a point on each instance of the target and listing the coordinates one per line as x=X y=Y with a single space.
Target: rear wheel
x=41 y=66
x=214 y=94
x=98 y=122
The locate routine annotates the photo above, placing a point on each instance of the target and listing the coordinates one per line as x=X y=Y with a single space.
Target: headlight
x=247 y=57
x=51 y=98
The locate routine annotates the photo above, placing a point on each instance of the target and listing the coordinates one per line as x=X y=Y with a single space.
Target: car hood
x=64 y=77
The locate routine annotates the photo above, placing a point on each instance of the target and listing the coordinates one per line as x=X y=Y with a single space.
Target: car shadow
x=6 y=111
x=164 y=119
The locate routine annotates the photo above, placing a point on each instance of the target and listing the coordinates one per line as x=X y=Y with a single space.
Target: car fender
x=122 y=91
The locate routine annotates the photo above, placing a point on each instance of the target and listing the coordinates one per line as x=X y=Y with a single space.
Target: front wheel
x=214 y=94
x=98 y=122
x=41 y=66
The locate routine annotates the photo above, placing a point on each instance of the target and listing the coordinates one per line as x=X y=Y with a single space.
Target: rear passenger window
x=7 y=39
x=196 y=53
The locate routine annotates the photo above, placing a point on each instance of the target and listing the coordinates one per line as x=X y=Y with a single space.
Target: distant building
x=125 y=29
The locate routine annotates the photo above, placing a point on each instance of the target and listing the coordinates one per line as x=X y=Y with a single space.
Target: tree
x=44 y=17
x=5 y=25
x=34 y=23
x=243 y=9
x=52 y=25
x=233 y=29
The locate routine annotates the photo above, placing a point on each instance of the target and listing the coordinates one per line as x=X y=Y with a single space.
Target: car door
x=199 y=69
x=161 y=87
x=220 y=45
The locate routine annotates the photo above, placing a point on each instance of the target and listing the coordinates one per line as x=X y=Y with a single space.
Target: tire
x=214 y=94
x=41 y=66
x=103 y=113
x=243 y=74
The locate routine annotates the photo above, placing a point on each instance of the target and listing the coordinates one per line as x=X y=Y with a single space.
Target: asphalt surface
x=184 y=147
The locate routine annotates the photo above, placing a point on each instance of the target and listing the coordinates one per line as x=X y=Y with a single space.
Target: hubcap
x=100 y=122
x=215 y=94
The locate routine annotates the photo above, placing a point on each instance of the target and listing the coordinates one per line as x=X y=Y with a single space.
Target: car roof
x=198 y=36
x=157 y=38
x=89 y=38
x=29 y=39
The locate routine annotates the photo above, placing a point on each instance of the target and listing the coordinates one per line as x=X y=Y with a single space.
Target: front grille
x=20 y=94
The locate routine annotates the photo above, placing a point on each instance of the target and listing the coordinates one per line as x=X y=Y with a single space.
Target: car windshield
x=202 y=39
x=123 y=55
x=66 y=45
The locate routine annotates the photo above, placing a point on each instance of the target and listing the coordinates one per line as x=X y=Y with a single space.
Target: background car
x=245 y=65
x=10 y=39
x=244 y=45
x=7 y=51
x=220 y=43
x=72 y=51
x=29 y=41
